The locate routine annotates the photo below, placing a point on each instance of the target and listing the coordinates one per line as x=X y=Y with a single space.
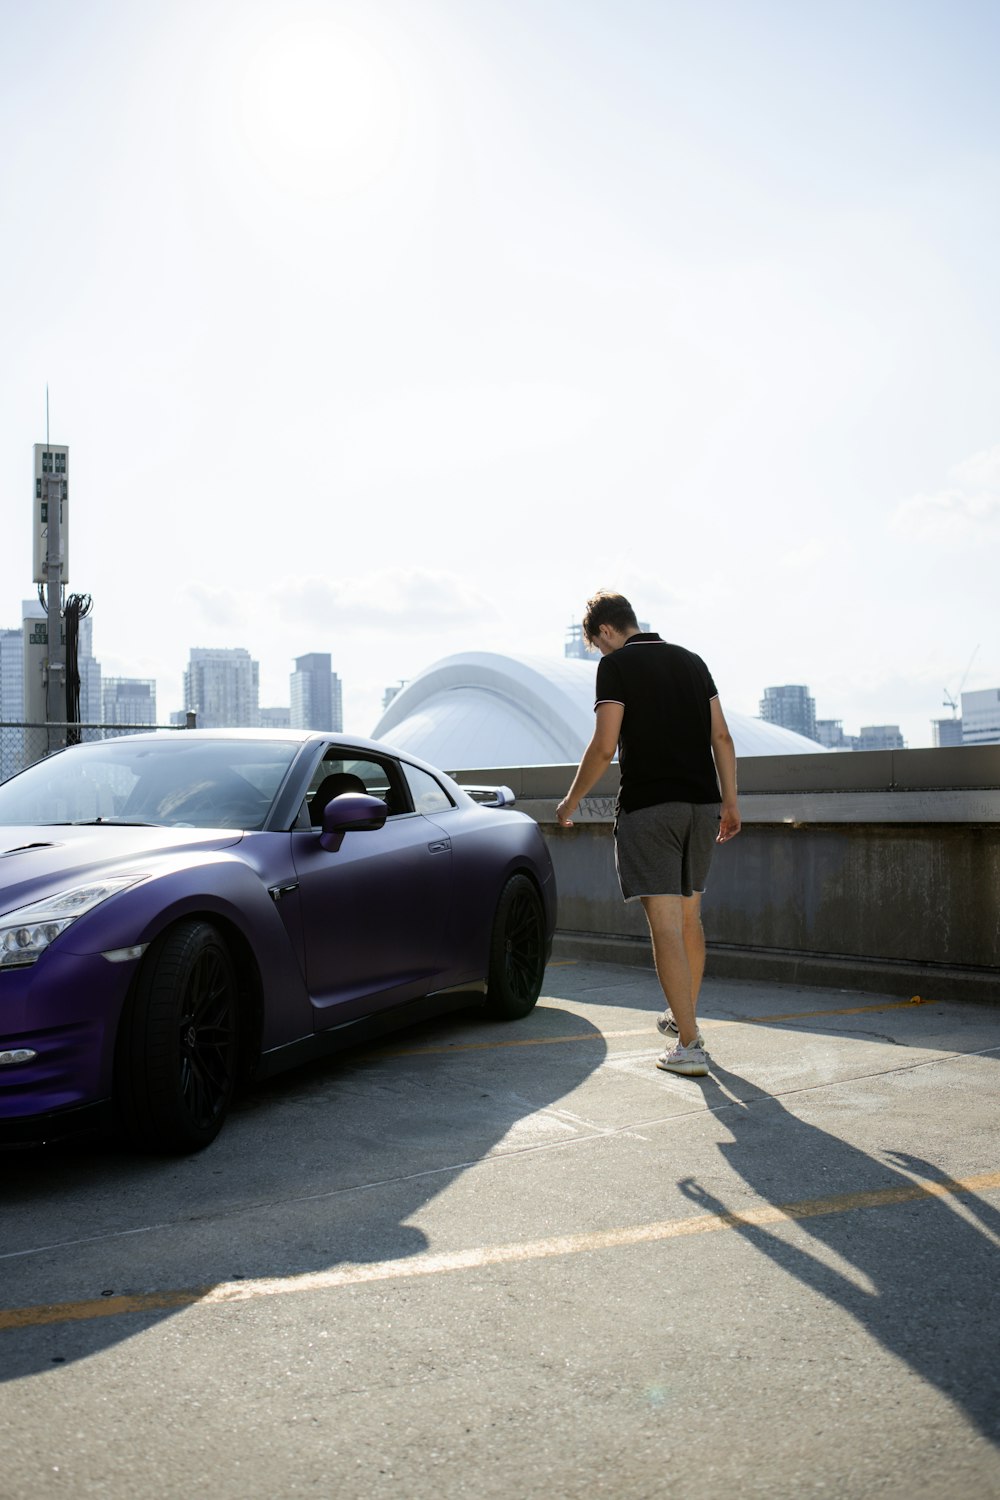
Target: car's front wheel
x=179 y=1043
x=517 y=951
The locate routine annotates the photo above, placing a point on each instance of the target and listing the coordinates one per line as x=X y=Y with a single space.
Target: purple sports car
x=184 y=911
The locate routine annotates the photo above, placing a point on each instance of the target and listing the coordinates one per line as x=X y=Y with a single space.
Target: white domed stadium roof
x=480 y=709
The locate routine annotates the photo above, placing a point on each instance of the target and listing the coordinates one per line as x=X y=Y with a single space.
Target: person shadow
x=922 y=1269
x=323 y=1167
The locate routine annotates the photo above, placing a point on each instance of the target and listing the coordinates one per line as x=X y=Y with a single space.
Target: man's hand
x=596 y=759
x=730 y=822
x=565 y=811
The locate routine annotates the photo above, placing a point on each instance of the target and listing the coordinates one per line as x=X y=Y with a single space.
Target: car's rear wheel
x=517 y=951
x=179 y=1044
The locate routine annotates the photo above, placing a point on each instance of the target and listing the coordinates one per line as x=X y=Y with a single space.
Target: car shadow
x=899 y=1261
x=317 y=1168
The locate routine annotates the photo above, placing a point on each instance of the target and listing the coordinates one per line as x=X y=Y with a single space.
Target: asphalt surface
x=520 y=1261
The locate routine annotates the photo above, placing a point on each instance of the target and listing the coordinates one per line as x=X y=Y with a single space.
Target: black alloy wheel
x=517 y=951
x=179 y=1043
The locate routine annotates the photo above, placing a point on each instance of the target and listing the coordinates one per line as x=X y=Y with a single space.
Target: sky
x=396 y=328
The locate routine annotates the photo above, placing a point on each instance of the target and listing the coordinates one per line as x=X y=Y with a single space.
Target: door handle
x=439 y=846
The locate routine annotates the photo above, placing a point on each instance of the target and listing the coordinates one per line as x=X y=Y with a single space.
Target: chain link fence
x=22 y=744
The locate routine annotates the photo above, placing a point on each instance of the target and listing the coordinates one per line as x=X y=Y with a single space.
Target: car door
x=374 y=911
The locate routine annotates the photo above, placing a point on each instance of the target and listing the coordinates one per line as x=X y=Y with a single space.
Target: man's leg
x=679 y=979
x=694 y=942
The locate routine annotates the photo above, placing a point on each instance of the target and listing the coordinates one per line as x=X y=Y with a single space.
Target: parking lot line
x=849 y=1010
x=483 y=1257
x=527 y=1041
x=596 y=1036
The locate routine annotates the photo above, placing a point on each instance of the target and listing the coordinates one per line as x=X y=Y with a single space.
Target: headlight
x=26 y=932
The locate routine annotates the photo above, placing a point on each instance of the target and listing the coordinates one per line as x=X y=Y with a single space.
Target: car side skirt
x=369 y=1028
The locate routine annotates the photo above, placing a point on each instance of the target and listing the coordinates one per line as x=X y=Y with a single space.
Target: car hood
x=36 y=859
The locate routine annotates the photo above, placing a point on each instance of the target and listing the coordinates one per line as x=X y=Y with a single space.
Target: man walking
x=659 y=708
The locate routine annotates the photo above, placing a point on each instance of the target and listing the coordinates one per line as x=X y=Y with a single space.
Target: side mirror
x=351 y=812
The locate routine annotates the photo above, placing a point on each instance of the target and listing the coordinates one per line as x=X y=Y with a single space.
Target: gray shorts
x=665 y=850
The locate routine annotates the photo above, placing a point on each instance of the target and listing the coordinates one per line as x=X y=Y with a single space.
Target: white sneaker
x=691 y=1061
x=667 y=1026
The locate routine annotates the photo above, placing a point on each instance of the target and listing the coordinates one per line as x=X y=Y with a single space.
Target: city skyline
x=403 y=330
x=313 y=701
x=790 y=705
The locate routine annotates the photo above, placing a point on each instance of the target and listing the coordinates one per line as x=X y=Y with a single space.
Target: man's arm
x=596 y=759
x=724 y=753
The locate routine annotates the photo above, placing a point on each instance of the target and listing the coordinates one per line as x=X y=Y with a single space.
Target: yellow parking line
x=596 y=1036
x=526 y=1041
x=850 y=1010
x=487 y=1255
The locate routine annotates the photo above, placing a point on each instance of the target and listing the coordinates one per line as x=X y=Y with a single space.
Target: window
x=174 y=783
x=376 y=778
x=429 y=796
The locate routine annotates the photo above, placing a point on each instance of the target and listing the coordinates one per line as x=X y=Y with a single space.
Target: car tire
x=517 y=951
x=178 y=1048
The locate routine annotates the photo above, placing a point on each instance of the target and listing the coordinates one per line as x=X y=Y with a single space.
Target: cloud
x=806 y=555
x=439 y=430
x=969 y=503
x=646 y=592
x=981 y=472
x=418 y=599
x=216 y=607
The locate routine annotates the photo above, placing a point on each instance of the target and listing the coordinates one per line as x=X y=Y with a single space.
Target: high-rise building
x=390 y=692
x=128 y=700
x=91 y=690
x=222 y=685
x=576 y=647
x=35 y=644
x=981 y=717
x=317 y=701
x=34 y=650
x=791 y=706
x=11 y=701
x=830 y=732
x=947 y=732
x=880 y=737
x=11 y=676
x=275 y=718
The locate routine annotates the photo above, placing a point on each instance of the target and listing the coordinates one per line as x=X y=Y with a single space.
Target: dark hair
x=607 y=608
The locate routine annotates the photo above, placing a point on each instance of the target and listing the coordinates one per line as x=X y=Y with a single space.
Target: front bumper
x=56 y=1125
x=63 y=1012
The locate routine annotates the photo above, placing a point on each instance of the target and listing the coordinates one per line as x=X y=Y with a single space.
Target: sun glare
x=321 y=109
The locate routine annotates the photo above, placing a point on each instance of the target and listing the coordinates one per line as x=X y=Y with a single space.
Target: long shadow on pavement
x=930 y=1270
x=318 y=1168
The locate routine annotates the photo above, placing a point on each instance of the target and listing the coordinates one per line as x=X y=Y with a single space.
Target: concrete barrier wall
x=869 y=871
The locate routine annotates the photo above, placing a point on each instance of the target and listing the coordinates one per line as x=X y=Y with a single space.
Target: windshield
x=178 y=783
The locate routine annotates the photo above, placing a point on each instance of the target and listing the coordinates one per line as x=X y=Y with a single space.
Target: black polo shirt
x=665 y=747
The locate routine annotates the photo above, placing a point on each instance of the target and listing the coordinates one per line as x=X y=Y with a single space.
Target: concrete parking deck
x=520 y=1261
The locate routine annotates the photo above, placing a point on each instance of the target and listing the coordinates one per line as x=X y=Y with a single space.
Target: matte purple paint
x=330 y=926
